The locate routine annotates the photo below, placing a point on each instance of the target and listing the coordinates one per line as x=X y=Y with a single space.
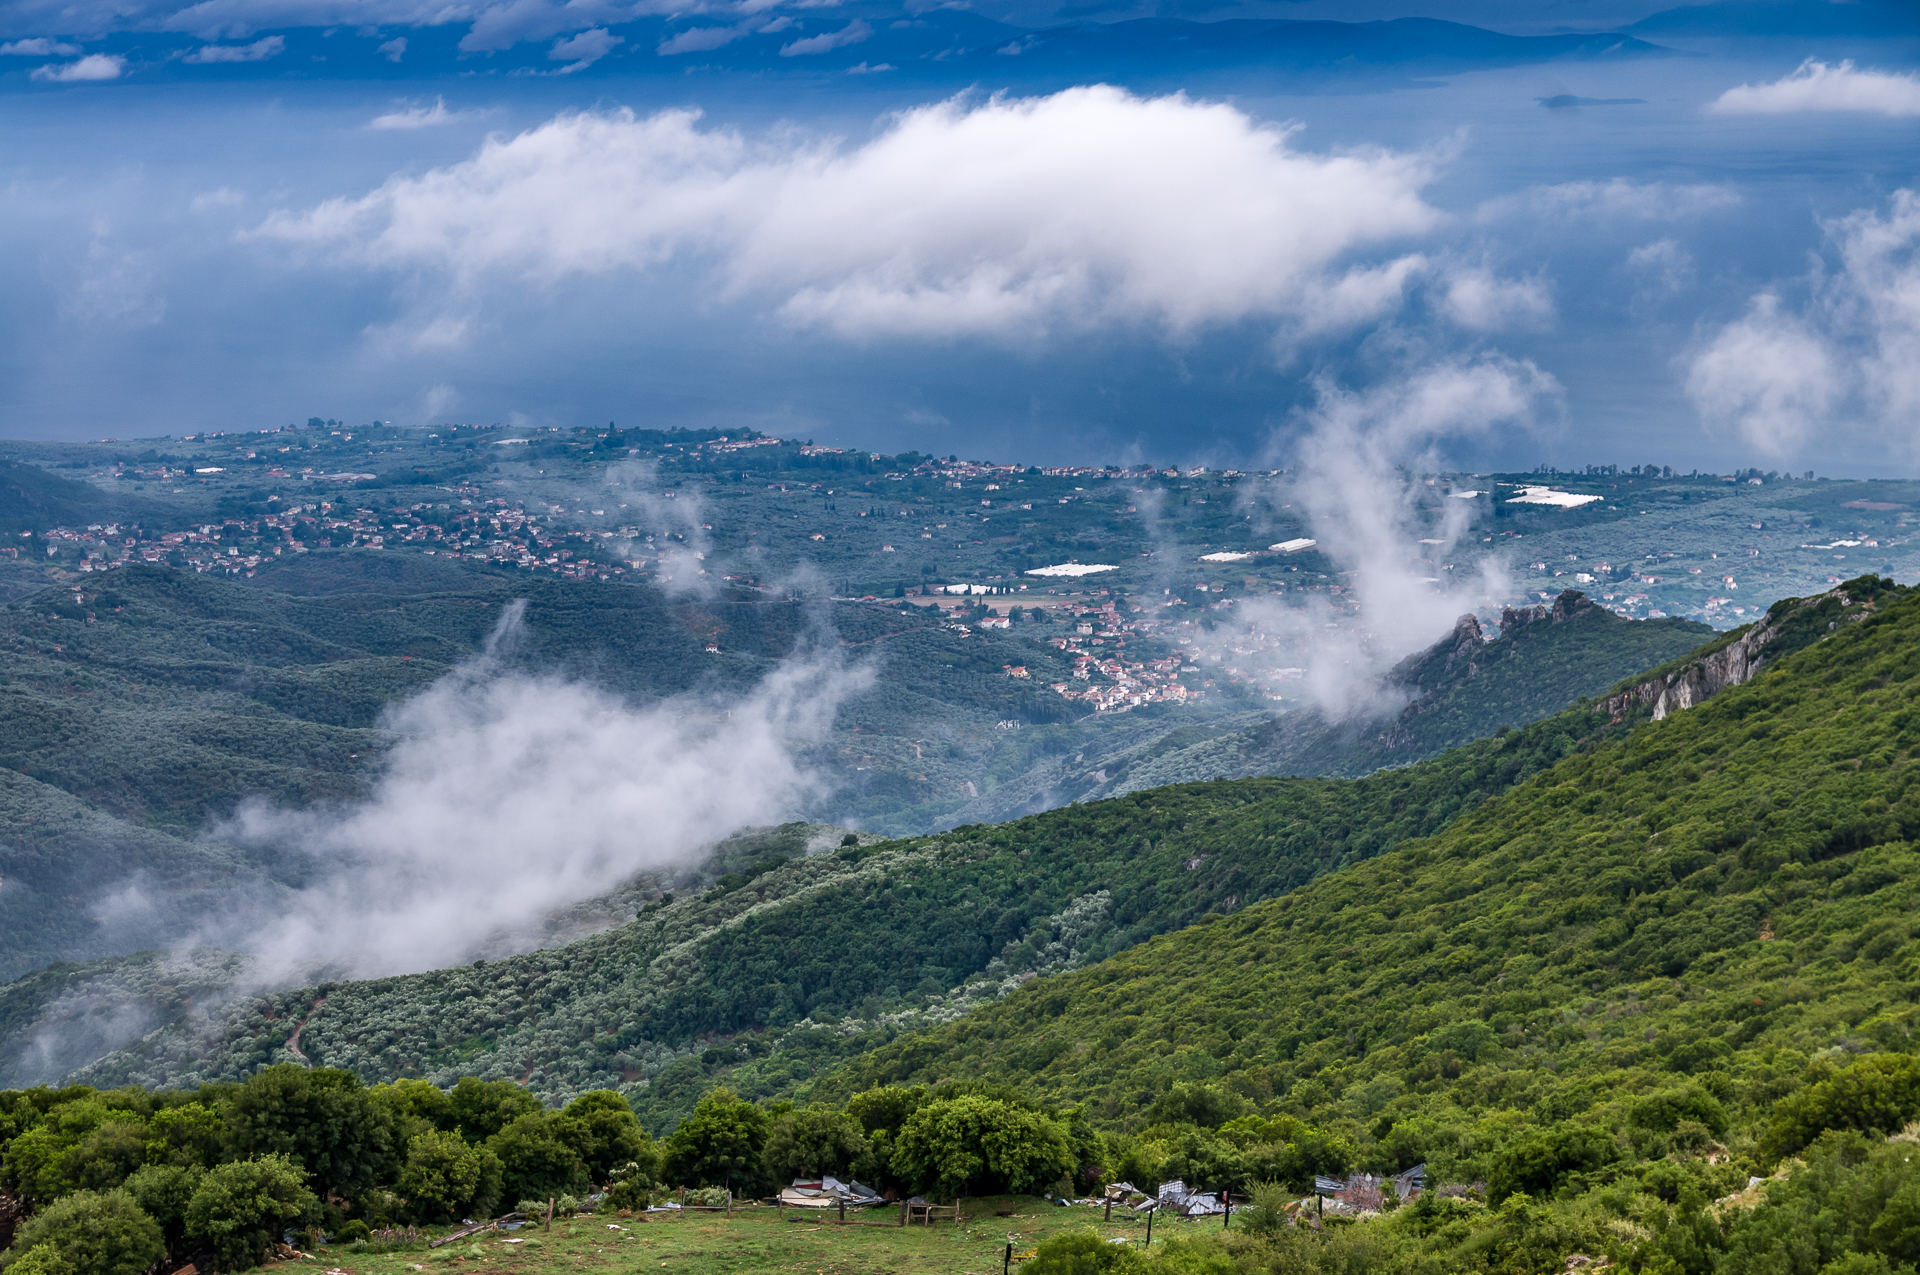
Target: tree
x=163 y=1192
x=187 y=1134
x=93 y=1233
x=813 y=1140
x=980 y=1145
x=720 y=1144
x=537 y=1158
x=446 y=1178
x=43 y=1260
x=414 y=1107
x=240 y=1206
x=601 y=1127
x=1878 y=1094
x=482 y=1108
x=320 y=1118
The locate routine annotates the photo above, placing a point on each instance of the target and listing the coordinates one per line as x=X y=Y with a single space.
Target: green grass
x=757 y=1238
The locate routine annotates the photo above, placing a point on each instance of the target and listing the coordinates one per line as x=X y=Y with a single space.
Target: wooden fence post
x=903 y=1212
x=548 y=1226
x=1006 y=1263
x=843 y=1210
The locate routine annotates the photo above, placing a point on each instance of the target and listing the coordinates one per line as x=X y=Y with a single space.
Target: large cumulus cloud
x=1002 y=217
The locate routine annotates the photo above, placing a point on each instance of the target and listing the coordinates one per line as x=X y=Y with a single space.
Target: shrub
x=92 y=1233
x=1082 y=1253
x=351 y=1232
x=239 y=1207
x=42 y=1260
x=1878 y=1094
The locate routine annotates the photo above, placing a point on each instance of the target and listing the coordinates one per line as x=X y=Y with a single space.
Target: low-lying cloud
x=508 y=795
x=1780 y=374
x=259 y=51
x=1824 y=86
x=1405 y=577
x=1003 y=217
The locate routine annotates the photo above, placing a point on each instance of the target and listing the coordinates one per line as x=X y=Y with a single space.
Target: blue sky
x=1034 y=230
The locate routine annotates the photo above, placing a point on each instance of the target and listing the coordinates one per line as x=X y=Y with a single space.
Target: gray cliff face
x=1741 y=660
x=1704 y=678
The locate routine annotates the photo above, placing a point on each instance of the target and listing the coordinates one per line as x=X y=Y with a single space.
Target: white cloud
x=224 y=197
x=508 y=795
x=39 y=47
x=1821 y=86
x=1088 y=206
x=1769 y=375
x=1663 y=266
x=115 y=286
x=395 y=49
x=1880 y=300
x=1781 y=378
x=863 y=69
x=584 y=49
x=700 y=39
x=1611 y=200
x=422 y=117
x=853 y=33
x=437 y=402
x=93 y=67
x=1476 y=298
x=258 y=51
x=1351 y=464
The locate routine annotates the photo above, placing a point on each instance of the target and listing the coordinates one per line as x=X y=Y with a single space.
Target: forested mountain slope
x=795 y=961
x=1647 y=944
x=802 y=960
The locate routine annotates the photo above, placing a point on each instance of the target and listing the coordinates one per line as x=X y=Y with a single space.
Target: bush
x=92 y=1233
x=239 y=1207
x=351 y=1232
x=43 y=1260
x=1082 y=1253
x=1878 y=1094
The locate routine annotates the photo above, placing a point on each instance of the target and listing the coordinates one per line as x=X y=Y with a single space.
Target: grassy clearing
x=759 y=1239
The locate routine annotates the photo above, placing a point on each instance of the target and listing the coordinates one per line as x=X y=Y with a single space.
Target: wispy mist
x=509 y=795
x=1404 y=576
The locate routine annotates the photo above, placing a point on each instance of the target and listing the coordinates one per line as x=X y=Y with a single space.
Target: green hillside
x=801 y=961
x=1630 y=956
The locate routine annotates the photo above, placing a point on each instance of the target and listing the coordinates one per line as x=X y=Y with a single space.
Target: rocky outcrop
x=1788 y=626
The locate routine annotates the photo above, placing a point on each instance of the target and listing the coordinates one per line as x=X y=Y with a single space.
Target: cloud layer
x=1002 y=217
x=1822 y=86
x=510 y=795
x=1778 y=375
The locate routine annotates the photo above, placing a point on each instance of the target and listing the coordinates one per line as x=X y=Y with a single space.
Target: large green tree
x=720 y=1144
x=240 y=1206
x=93 y=1233
x=978 y=1145
x=322 y=1119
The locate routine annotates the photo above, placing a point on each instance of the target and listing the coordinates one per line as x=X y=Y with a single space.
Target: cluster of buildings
x=1125 y=683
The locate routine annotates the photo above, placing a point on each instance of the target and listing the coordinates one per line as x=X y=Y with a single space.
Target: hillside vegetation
x=1627 y=959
